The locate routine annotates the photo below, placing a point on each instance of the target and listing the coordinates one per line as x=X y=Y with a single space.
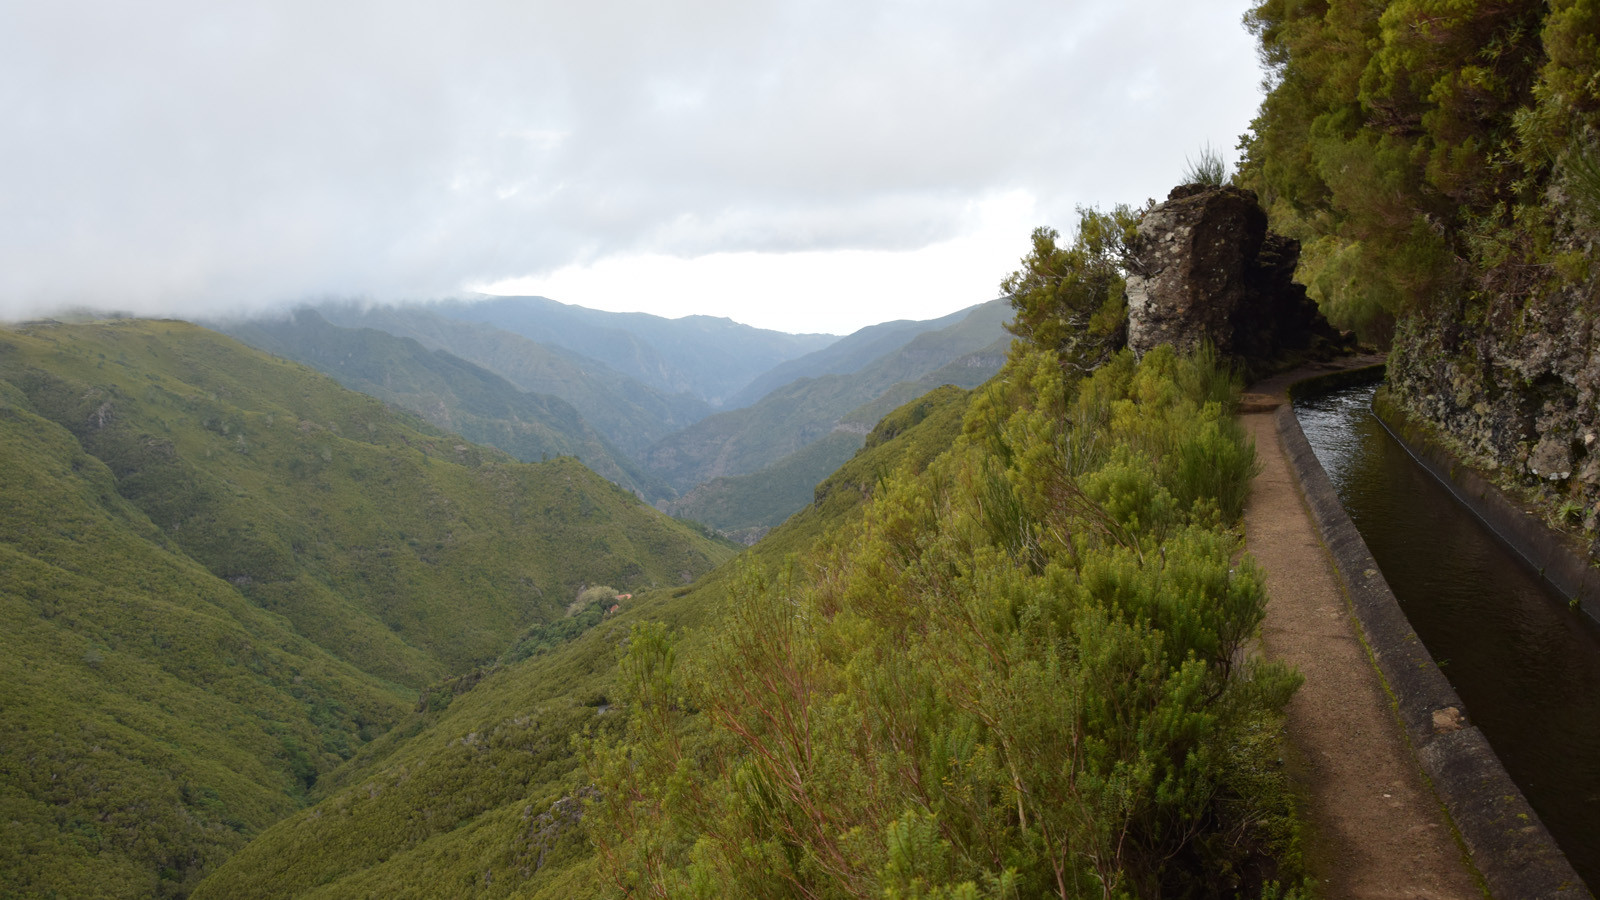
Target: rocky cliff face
x=1207 y=269
x=1513 y=384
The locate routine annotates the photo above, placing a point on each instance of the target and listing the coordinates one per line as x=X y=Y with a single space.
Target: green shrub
x=1209 y=169
x=1022 y=674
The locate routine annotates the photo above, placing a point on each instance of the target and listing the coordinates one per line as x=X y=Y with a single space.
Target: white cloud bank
x=808 y=165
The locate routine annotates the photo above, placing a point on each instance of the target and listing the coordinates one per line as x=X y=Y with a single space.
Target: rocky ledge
x=1206 y=269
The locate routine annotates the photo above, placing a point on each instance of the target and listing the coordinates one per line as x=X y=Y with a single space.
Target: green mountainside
x=711 y=358
x=155 y=719
x=631 y=414
x=746 y=506
x=445 y=390
x=481 y=794
x=790 y=418
x=777 y=451
x=961 y=371
x=224 y=574
x=1018 y=611
x=848 y=354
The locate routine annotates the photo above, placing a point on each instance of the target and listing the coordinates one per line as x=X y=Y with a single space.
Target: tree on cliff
x=1070 y=299
x=1409 y=145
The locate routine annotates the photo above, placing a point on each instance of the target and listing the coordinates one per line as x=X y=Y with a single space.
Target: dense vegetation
x=801 y=412
x=1070 y=299
x=1022 y=673
x=479 y=793
x=222 y=574
x=1430 y=155
x=447 y=391
x=629 y=413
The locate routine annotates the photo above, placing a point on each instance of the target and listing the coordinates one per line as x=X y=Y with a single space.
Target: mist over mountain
x=630 y=413
x=775 y=450
x=848 y=354
x=709 y=357
x=447 y=391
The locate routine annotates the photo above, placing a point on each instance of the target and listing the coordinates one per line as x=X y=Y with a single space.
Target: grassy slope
x=222 y=574
x=746 y=440
x=630 y=413
x=446 y=390
x=475 y=800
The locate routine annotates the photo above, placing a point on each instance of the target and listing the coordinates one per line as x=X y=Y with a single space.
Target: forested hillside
x=482 y=792
x=630 y=413
x=741 y=472
x=1441 y=165
x=745 y=506
x=790 y=418
x=850 y=353
x=447 y=391
x=223 y=574
x=1001 y=654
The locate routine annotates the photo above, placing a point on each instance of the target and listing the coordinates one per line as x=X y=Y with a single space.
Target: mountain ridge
x=850 y=353
x=710 y=357
x=741 y=441
x=223 y=574
x=630 y=413
x=446 y=390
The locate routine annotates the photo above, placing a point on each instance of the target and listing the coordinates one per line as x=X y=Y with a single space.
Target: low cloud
x=205 y=158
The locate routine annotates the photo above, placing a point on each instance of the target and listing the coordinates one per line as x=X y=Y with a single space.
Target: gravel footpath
x=1375 y=828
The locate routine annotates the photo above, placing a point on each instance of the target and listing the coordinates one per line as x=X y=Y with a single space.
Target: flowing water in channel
x=1526 y=664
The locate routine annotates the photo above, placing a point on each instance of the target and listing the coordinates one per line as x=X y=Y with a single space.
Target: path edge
x=1506 y=841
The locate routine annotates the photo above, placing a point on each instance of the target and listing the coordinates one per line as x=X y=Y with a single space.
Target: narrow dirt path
x=1376 y=831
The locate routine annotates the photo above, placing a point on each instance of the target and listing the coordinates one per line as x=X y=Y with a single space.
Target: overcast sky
x=808 y=165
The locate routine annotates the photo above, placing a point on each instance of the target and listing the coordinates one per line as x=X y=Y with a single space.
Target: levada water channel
x=1526 y=664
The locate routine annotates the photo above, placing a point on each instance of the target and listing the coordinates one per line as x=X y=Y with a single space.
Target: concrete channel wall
x=1507 y=843
x=1562 y=560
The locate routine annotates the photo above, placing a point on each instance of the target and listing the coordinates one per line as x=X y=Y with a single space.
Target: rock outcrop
x=1513 y=384
x=1207 y=270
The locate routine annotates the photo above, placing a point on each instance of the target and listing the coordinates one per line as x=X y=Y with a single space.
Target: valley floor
x=1376 y=829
